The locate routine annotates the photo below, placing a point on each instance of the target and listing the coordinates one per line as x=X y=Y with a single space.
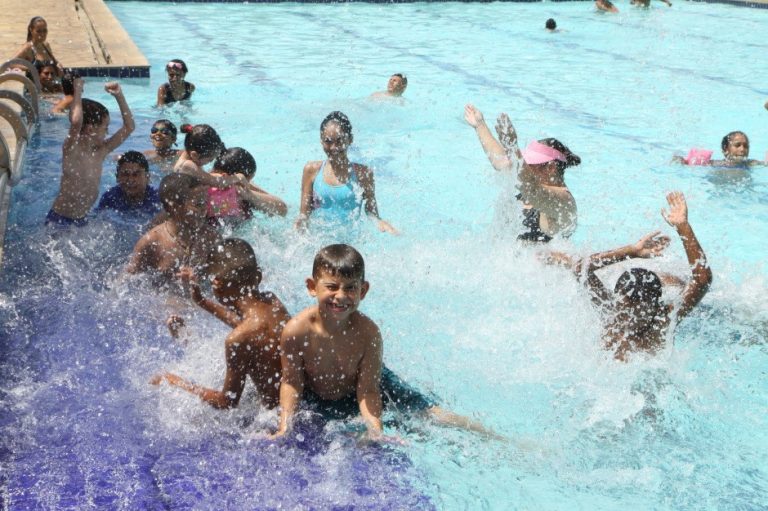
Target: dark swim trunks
x=395 y=394
x=54 y=218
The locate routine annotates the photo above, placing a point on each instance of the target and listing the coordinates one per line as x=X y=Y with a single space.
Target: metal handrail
x=5 y=203
x=28 y=108
x=22 y=135
x=29 y=86
x=32 y=70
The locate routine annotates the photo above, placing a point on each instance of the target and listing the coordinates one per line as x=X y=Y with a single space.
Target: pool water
x=467 y=313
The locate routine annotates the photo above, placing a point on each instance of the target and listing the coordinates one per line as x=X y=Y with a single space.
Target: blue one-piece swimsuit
x=336 y=203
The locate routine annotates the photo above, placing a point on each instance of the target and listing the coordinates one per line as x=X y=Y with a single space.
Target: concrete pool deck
x=84 y=35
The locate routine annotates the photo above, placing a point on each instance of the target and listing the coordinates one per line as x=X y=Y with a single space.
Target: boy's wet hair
x=68 y=82
x=133 y=157
x=727 y=139
x=235 y=261
x=551 y=24
x=339 y=260
x=202 y=139
x=403 y=78
x=639 y=285
x=94 y=112
x=236 y=160
x=175 y=189
x=32 y=24
x=571 y=160
x=167 y=125
x=339 y=118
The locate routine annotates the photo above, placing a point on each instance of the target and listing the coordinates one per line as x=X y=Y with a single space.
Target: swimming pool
x=467 y=313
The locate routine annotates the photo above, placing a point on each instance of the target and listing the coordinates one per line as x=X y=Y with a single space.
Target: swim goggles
x=174 y=65
x=164 y=131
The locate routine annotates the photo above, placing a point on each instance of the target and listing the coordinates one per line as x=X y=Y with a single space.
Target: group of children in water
x=330 y=354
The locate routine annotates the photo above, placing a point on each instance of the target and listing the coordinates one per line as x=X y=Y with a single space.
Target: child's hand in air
x=188 y=278
x=175 y=323
x=651 y=245
x=385 y=226
x=473 y=116
x=506 y=131
x=678 y=210
x=113 y=88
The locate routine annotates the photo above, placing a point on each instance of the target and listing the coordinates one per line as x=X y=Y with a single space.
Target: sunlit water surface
x=467 y=313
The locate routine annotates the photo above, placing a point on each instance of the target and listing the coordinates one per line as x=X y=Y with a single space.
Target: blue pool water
x=467 y=313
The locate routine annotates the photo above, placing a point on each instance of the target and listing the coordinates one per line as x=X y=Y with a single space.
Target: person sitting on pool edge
x=176 y=88
x=133 y=192
x=332 y=354
x=635 y=318
x=335 y=190
x=83 y=154
x=183 y=239
x=549 y=209
x=395 y=87
x=256 y=318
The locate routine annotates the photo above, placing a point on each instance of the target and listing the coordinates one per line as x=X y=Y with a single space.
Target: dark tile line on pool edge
x=737 y=3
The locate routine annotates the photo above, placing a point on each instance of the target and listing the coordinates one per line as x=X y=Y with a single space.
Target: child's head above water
x=203 y=140
x=176 y=67
x=336 y=133
x=133 y=174
x=175 y=190
x=551 y=24
x=735 y=145
x=639 y=285
x=339 y=260
x=95 y=115
x=236 y=160
x=562 y=156
x=234 y=265
x=397 y=84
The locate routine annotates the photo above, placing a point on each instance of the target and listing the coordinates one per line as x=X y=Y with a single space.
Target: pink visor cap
x=536 y=153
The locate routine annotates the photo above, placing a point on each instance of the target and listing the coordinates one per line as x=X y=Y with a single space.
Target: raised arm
x=263 y=201
x=369 y=384
x=365 y=175
x=75 y=113
x=493 y=149
x=292 y=382
x=128 y=126
x=650 y=245
x=701 y=274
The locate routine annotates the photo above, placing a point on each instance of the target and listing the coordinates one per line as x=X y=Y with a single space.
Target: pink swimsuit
x=224 y=203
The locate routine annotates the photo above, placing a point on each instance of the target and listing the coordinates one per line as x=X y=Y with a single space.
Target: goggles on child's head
x=174 y=65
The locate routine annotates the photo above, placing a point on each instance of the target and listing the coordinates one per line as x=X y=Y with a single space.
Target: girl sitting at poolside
x=735 y=146
x=36 y=49
x=548 y=206
x=236 y=203
x=175 y=89
x=336 y=189
x=163 y=137
x=202 y=145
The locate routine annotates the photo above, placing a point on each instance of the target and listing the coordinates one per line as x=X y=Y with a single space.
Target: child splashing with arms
x=202 y=145
x=335 y=190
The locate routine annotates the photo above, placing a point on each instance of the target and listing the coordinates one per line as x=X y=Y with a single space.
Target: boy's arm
x=263 y=201
x=493 y=149
x=701 y=274
x=234 y=381
x=369 y=384
x=650 y=245
x=144 y=255
x=75 y=113
x=225 y=314
x=128 y=126
x=292 y=381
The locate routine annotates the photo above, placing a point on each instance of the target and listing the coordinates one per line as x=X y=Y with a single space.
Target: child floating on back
x=256 y=317
x=83 y=154
x=395 y=87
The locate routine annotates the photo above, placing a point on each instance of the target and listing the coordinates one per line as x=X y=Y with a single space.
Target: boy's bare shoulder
x=364 y=325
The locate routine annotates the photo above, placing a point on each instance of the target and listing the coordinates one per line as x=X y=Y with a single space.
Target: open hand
x=157 y=379
x=506 y=131
x=473 y=116
x=385 y=226
x=678 y=210
x=651 y=245
x=113 y=88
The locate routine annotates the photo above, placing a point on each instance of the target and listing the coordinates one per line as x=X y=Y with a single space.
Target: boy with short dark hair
x=133 y=191
x=83 y=154
x=332 y=354
x=396 y=86
x=184 y=238
x=257 y=319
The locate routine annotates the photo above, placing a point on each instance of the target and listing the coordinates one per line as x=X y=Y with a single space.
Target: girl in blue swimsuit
x=337 y=190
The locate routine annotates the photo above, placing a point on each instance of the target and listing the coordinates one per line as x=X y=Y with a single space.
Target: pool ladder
x=19 y=111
